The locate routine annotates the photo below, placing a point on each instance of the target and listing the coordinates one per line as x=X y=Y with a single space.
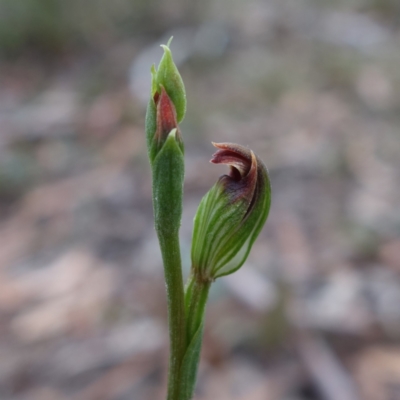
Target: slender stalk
x=170 y=250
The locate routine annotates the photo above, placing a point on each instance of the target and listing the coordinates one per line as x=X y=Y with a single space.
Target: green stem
x=170 y=250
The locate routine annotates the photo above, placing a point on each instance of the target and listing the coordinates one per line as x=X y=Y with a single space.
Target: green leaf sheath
x=195 y=304
x=168 y=175
x=190 y=366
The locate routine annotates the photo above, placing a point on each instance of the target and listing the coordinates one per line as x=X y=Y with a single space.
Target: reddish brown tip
x=242 y=178
x=166 y=114
x=239 y=157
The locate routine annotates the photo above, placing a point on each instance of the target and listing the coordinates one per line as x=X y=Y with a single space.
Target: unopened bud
x=167 y=105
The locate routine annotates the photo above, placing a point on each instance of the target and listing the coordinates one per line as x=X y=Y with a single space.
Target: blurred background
x=312 y=86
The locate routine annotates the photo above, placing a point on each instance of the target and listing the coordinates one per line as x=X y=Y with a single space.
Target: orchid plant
x=227 y=222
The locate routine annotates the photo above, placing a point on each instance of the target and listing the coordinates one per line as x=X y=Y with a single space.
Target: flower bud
x=167 y=104
x=231 y=214
x=166 y=108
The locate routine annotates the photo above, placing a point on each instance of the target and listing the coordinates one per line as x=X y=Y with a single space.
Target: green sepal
x=215 y=220
x=235 y=248
x=167 y=75
x=168 y=174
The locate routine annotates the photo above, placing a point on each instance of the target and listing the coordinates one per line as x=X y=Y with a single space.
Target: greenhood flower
x=231 y=214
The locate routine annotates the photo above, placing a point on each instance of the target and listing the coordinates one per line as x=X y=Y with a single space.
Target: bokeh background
x=312 y=86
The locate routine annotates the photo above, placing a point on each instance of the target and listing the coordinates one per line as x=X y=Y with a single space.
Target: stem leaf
x=190 y=365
